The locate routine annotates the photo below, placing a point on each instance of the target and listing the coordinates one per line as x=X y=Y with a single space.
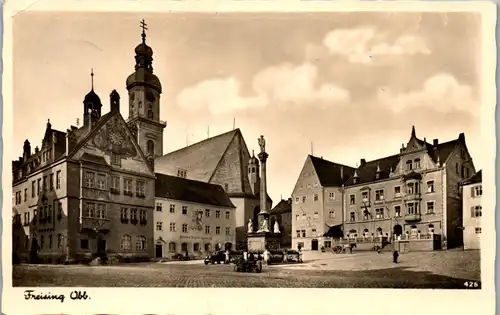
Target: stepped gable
x=330 y=173
x=177 y=188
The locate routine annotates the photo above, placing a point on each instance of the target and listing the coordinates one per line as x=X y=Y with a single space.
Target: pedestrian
x=245 y=256
x=227 y=256
x=266 y=257
x=300 y=255
x=395 y=257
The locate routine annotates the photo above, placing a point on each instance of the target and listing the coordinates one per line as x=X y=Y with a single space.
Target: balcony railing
x=413 y=217
x=96 y=224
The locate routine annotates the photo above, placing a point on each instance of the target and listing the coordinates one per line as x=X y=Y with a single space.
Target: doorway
x=398 y=230
x=159 y=251
x=314 y=244
x=101 y=246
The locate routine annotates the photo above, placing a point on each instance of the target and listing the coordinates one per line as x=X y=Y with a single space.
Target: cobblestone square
x=444 y=269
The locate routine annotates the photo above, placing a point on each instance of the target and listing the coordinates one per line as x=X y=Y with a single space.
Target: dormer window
x=181 y=173
x=409 y=165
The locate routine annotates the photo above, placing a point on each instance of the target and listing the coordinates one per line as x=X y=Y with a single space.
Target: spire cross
x=144 y=28
x=92 y=78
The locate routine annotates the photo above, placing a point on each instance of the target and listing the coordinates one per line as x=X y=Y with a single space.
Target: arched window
x=141 y=243
x=126 y=242
x=409 y=165
x=151 y=147
x=417 y=163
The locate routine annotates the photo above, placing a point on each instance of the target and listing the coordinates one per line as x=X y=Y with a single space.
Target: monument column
x=264 y=211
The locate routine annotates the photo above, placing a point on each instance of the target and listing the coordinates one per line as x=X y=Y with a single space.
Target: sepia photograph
x=225 y=149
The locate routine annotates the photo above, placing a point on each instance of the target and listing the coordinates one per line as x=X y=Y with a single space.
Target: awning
x=334 y=231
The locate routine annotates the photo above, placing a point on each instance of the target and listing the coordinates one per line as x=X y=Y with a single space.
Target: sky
x=344 y=86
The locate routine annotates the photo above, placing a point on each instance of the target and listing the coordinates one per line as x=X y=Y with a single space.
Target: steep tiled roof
x=178 y=188
x=474 y=179
x=330 y=173
x=284 y=206
x=199 y=159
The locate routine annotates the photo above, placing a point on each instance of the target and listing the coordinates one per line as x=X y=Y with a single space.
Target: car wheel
x=206 y=262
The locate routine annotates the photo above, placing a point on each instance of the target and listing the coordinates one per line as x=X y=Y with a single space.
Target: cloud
x=219 y=95
x=364 y=45
x=441 y=92
x=285 y=83
x=296 y=84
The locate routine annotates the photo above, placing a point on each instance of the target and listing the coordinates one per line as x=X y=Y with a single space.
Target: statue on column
x=276 y=227
x=250 y=226
x=262 y=144
x=264 y=226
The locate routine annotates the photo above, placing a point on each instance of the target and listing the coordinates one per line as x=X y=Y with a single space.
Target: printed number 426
x=471 y=284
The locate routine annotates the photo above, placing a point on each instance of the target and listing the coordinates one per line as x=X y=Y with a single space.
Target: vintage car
x=180 y=256
x=240 y=265
x=292 y=256
x=216 y=257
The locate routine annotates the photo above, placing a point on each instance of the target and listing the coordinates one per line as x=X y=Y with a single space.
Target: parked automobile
x=180 y=256
x=216 y=257
x=240 y=265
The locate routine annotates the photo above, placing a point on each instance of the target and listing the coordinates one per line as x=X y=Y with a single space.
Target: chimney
x=26 y=150
x=461 y=137
x=36 y=149
x=362 y=163
x=435 y=142
x=114 y=99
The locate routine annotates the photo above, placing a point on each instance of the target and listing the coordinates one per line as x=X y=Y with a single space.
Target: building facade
x=193 y=217
x=317 y=202
x=282 y=213
x=472 y=190
x=90 y=190
x=222 y=160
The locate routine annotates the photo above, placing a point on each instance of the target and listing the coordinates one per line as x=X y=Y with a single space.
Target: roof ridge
x=186 y=179
x=331 y=162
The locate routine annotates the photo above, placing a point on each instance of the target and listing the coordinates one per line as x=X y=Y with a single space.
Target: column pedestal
x=259 y=241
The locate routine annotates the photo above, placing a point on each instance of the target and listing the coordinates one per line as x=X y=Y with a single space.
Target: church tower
x=253 y=174
x=144 y=89
x=91 y=105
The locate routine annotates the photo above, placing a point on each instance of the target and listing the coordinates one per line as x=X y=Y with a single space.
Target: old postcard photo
x=245 y=146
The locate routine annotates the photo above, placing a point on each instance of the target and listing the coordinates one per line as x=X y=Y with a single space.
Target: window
x=207 y=229
x=184 y=228
x=217 y=230
x=228 y=230
x=352 y=199
x=158 y=207
x=379 y=194
x=352 y=217
x=316 y=197
x=217 y=214
x=26 y=218
x=140 y=189
x=84 y=243
x=45 y=183
x=328 y=244
x=298 y=233
x=303 y=216
x=172 y=227
x=207 y=247
x=409 y=165
x=476 y=211
x=467 y=172
x=417 y=163
x=196 y=247
x=33 y=189
x=304 y=199
x=181 y=173
x=477 y=191
x=297 y=217
x=303 y=233
x=159 y=226
x=207 y=213
x=123 y=214
x=412 y=208
x=316 y=215
x=115 y=184
x=25 y=194
x=184 y=247
x=172 y=208
x=58 y=180
x=332 y=195
x=89 y=210
x=331 y=214
x=397 y=211
x=297 y=199
x=115 y=159
x=379 y=213
x=50 y=241
x=150 y=144
x=430 y=186
x=430 y=207
x=410 y=189
x=140 y=243
x=364 y=196
x=101 y=211
x=127 y=189
x=227 y=215
x=142 y=215
x=171 y=247
x=39 y=182
x=366 y=214
x=133 y=214
x=101 y=182
x=226 y=187
x=89 y=179
x=59 y=210
x=184 y=210
x=59 y=240
x=313 y=232
x=478 y=230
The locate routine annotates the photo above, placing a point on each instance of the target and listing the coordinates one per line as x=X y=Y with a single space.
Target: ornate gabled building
x=91 y=189
x=412 y=196
x=223 y=160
